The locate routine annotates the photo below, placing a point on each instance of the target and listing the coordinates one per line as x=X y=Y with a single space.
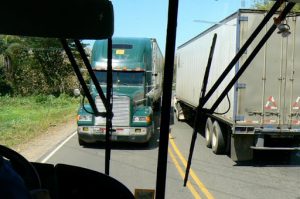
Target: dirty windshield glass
x=246 y=147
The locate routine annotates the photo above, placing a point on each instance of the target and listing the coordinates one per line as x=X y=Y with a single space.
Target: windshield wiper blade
x=106 y=101
x=91 y=72
x=80 y=78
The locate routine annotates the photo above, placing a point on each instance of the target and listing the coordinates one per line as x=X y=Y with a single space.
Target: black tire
x=208 y=132
x=81 y=142
x=157 y=105
x=145 y=144
x=218 y=142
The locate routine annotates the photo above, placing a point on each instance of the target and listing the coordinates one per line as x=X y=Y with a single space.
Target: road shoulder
x=34 y=149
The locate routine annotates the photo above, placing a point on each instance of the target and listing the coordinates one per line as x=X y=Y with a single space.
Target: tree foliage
x=267 y=4
x=49 y=60
x=34 y=66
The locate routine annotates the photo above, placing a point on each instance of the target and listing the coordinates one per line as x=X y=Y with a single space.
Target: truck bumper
x=277 y=140
x=246 y=139
x=91 y=134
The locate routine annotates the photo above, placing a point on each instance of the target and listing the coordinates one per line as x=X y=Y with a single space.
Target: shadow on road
x=273 y=159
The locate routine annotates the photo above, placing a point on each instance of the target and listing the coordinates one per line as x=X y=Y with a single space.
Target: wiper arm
x=106 y=101
x=81 y=79
x=91 y=73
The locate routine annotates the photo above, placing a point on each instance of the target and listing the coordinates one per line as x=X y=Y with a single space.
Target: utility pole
x=243 y=4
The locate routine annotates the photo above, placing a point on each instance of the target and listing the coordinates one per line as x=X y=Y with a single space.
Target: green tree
x=5 y=87
x=52 y=62
x=267 y=4
x=34 y=66
x=12 y=51
x=49 y=60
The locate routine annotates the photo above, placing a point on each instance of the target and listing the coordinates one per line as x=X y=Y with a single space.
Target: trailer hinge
x=243 y=18
x=240 y=85
x=239 y=118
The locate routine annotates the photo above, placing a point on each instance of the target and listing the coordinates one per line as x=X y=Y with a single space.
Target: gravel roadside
x=44 y=143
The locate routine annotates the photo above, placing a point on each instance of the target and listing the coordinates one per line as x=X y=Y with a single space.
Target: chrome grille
x=121 y=110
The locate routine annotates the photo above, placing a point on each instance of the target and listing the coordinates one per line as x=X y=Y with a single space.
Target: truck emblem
x=271 y=104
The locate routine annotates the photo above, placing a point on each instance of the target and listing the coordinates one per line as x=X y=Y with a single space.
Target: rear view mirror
x=76 y=19
x=76 y=92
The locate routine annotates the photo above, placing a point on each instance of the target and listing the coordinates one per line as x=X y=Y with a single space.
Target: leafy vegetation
x=36 y=82
x=32 y=66
x=267 y=4
x=22 y=118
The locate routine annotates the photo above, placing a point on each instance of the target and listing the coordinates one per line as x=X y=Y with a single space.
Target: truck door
x=292 y=98
x=279 y=80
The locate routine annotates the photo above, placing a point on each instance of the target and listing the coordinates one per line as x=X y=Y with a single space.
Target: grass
x=22 y=118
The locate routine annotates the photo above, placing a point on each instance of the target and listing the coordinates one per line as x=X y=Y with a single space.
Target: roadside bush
x=5 y=87
x=23 y=118
x=33 y=66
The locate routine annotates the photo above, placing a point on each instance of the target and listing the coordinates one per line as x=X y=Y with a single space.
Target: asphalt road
x=211 y=176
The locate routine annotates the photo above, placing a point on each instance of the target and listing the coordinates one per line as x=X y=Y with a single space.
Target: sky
x=148 y=18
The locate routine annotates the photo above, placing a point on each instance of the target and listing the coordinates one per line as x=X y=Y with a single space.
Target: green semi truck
x=137 y=65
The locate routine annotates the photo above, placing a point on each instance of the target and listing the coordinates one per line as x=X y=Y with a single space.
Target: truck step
x=276 y=148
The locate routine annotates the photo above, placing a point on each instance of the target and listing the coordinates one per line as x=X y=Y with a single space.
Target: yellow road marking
x=181 y=172
x=192 y=173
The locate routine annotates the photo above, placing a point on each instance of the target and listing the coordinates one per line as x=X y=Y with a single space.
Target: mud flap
x=240 y=147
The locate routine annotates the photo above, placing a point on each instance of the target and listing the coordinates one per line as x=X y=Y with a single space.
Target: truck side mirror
x=76 y=92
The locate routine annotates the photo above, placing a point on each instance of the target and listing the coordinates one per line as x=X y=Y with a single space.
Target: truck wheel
x=208 y=132
x=81 y=142
x=218 y=142
x=157 y=104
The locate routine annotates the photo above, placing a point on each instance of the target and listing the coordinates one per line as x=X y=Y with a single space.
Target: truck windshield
x=122 y=77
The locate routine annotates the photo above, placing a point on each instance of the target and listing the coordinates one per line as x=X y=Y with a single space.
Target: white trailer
x=262 y=110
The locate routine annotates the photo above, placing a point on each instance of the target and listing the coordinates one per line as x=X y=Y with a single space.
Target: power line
x=212 y=22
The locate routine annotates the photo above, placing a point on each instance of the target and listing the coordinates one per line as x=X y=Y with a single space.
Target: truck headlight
x=85 y=118
x=142 y=119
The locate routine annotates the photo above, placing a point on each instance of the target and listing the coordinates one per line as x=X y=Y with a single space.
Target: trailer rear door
x=267 y=91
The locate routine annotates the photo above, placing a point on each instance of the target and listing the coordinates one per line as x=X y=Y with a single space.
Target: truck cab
x=137 y=65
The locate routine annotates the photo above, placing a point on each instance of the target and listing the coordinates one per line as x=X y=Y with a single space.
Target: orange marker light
x=148 y=119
